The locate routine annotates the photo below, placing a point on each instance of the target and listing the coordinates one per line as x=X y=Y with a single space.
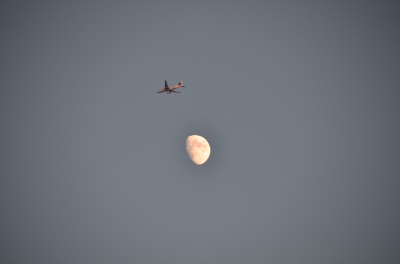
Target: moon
x=198 y=149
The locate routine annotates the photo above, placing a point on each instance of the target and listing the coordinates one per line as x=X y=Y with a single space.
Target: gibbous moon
x=198 y=149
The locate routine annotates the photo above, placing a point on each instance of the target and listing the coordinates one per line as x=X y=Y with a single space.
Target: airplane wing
x=166 y=84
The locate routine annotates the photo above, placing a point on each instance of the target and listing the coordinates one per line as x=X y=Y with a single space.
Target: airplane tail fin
x=181 y=84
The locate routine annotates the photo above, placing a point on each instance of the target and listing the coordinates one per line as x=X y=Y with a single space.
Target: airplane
x=171 y=89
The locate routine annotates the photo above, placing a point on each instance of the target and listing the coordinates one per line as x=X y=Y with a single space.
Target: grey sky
x=299 y=101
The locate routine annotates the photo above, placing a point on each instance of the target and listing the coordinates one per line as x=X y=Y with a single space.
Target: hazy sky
x=299 y=100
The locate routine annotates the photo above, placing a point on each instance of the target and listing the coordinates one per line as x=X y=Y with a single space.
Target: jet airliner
x=171 y=89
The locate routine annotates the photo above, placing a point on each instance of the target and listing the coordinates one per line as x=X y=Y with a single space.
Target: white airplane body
x=171 y=89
